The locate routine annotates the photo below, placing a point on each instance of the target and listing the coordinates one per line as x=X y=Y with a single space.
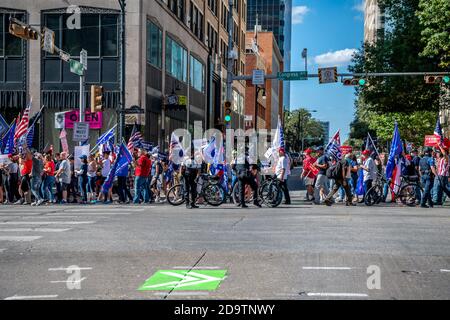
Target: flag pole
x=376 y=150
x=95 y=147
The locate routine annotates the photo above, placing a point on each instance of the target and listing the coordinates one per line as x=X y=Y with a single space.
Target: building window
x=212 y=38
x=109 y=36
x=88 y=37
x=212 y=4
x=154 y=45
x=10 y=45
x=177 y=7
x=196 y=21
x=176 y=60
x=197 y=78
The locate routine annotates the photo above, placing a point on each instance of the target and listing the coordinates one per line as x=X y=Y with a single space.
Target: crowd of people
x=38 y=179
x=353 y=176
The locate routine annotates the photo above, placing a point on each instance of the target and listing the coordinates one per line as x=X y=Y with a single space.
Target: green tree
x=434 y=17
x=301 y=126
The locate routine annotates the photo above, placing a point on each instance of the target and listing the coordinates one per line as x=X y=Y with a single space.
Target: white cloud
x=336 y=58
x=298 y=13
x=360 y=6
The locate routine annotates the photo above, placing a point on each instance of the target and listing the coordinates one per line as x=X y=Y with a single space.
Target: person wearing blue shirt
x=122 y=190
x=427 y=168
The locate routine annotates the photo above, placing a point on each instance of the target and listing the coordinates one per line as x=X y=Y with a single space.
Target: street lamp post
x=122 y=4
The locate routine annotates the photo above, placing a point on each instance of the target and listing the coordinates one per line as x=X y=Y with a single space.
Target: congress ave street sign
x=76 y=67
x=184 y=280
x=292 y=76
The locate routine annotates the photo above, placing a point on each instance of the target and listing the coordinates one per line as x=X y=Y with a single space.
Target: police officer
x=247 y=176
x=190 y=170
x=427 y=170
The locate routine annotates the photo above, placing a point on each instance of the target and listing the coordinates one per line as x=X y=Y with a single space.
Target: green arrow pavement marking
x=184 y=280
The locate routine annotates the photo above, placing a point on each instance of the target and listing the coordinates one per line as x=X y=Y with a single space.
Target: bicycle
x=270 y=192
x=406 y=191
x=211 y=191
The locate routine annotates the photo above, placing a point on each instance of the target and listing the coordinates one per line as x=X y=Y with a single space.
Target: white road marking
x=85 y=209
x=45 y=222
x=93 y=213
x=196 y=268
x=34 y=230
x=69 y=281
x=445 y=270
x=65 y=269
x=327 y=268
x=32 y=297
x=2 y=250
x=5 y=238
x=328 y=294
x=175 y=293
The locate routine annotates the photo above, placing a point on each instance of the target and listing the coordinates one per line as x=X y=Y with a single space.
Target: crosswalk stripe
x=32 y=297
x=45 y=222
x=34 y=230
x=20 y=239
x=2 y=250
x=96 y=213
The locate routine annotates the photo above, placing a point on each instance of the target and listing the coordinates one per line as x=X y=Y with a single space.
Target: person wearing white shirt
x=282 y=171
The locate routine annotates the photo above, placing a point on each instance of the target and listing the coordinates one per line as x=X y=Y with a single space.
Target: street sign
x=182 y=100
x=49 y=41
x=292 y=76
x=248 y=118
x=258 y=77
x=76 y=67
x=80 y=131
x=83 y=58
x=328 y=75
x=184 y=280
x=64 y=56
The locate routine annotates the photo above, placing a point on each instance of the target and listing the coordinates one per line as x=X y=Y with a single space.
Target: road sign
x=292 y=76
x=49 y=41
x=83 y=58
x=80 y=131
x=76 y=67
x=258 y=77
x=184 y=280
x=328 y=75
x=182 y=100
x=64 y=56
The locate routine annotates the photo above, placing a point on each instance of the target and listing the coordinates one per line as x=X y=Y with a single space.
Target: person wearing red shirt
x=309 y=174
x=48 y=179
x=142 y=172
x=26 y=165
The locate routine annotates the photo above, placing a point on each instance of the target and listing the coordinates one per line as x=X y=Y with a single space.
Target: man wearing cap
x=63 y=174
x=142 y=172
x=36 y=178
x=441 y=184
x=340 y=180
x=282 y=172
x=369 y=170
x=322 y=180
x=308 y=174
x=427 y=171
x=26 y=166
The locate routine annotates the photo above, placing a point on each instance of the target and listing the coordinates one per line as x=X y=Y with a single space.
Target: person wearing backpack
x=427 y=170
x=322 y=180
x=338 y=171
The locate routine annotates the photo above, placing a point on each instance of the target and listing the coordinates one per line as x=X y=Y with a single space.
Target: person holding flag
x=427 y=169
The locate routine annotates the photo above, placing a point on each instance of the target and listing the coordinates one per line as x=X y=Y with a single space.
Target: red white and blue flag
x=22 y=127
x=438 y=132
x=333 y=149
x=136 y=139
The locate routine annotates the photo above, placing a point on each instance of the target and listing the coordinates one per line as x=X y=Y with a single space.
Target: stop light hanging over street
x=227 y=111
x=96 y=98
x=22 y=31
x=354 y=82
x=437 y=79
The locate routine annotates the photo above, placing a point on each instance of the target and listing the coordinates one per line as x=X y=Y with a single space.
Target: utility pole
x=122 y=4
x=230 y=58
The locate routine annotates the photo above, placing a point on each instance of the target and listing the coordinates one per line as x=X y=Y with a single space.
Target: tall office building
x=274 y=16
x=373 y=21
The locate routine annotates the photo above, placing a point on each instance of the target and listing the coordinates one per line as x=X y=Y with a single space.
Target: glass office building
x=275 y=16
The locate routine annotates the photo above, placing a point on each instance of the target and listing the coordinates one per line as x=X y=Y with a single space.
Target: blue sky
x=330 y=29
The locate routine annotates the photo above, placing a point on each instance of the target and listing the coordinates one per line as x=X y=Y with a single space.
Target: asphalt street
x=300 y=251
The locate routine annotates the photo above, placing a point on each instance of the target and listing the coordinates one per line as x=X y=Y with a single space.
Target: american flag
x=438 y=132
x=22 y=127
x=136 y=139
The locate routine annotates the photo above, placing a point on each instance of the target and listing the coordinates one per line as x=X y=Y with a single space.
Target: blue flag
x=396 y=151
x=107 y=136
x=8 y=140
x=360 y=184
x=124 y=158
x=30 y=136
x=4 y=127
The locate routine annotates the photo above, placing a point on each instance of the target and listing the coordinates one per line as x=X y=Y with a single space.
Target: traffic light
x=437 y=79
x=227 y=112
x=354 y=82
x=22 y=31
x=96 y=98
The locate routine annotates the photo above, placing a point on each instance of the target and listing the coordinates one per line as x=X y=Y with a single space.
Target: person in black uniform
x=247 y=175
x=190 y=171
x=427 y=168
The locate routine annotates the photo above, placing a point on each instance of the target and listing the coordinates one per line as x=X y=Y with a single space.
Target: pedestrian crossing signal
x=227 y=112
x=96 y=98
